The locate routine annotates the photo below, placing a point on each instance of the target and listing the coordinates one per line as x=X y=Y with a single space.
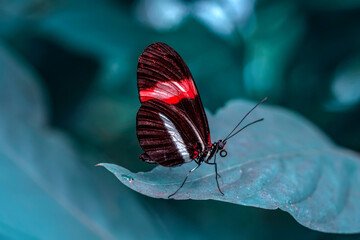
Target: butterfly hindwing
x=166 y=134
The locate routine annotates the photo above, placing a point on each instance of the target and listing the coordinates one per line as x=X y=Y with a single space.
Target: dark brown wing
x=166 y=134
x=163 y=75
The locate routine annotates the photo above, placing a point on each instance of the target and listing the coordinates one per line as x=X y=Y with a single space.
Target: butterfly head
x=221 y=147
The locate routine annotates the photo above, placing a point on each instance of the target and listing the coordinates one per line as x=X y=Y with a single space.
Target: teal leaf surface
x=19 y=88
x=283 y=162
x=97 y=28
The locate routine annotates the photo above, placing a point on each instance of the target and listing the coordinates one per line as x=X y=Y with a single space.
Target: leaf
x=270 y=49
x=48 y=189
x=20 y=88
x=284 y=162
x=100 y=28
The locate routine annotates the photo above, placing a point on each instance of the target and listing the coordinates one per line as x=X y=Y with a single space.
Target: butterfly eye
x=223 y=153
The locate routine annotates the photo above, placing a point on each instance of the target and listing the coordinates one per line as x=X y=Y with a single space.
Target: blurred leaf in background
x=83 y=54
x=46 y=190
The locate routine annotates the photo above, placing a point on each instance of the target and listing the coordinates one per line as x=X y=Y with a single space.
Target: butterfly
x=171 y=123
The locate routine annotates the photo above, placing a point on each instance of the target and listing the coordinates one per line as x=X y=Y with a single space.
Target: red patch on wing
x=170 y=92
x=196 y=153
x=209 y=140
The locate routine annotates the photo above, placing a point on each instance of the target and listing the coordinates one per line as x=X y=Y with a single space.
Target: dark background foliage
x=304 y=55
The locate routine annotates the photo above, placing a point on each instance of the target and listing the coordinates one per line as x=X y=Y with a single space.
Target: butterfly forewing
x=171 y=124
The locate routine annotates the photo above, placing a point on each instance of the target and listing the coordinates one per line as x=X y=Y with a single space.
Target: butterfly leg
x=184 y=180
x=216 y=176
x=146 y=158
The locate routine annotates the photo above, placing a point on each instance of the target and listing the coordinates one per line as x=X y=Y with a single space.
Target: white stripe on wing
x=176 y=138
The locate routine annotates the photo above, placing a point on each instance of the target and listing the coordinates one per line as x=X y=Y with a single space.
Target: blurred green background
x=304 y=55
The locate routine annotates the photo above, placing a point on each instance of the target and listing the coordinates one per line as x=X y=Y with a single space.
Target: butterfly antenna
x=227 y=137
x=259 y=120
